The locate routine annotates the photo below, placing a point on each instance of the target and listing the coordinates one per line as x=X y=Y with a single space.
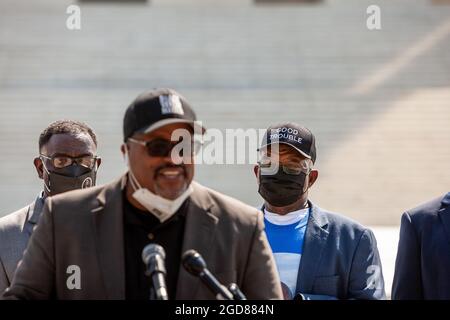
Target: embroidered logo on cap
x=285 y=134
x=170 y=104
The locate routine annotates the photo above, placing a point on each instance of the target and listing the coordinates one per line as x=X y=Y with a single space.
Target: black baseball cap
x=156 y=108
x=294 y=135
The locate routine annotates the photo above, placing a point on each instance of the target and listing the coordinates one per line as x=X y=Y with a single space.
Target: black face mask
x=69 y=178
x=281 y=189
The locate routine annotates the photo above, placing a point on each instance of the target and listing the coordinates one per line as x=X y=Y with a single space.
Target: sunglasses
x=305 y=166
x=65 y=161
x=162 y=148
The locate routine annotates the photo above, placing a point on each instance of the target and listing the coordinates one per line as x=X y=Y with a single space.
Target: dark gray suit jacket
x=422 y=268
x=340 y=260
x=84 y=228
x=15 y=231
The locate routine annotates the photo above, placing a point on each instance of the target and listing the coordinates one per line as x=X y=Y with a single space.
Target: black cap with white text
x=156 y=108
x=294 y=135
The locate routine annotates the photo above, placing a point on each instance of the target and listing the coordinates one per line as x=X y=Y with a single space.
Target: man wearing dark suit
x=422 y=268
x=88 y=243
x=66 y=161
x=320 y=255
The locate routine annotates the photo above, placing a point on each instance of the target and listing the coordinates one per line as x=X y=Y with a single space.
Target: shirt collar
x=35 y=209
x=287 y=219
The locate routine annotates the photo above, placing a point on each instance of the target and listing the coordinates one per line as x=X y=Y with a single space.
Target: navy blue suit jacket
x=422 y=269
x=340 y=260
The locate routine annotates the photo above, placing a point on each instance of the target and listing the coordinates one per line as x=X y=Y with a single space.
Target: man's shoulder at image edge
x=422 y=263
x=15 y=230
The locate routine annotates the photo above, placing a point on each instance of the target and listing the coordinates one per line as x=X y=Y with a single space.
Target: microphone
x=153 y=256
x=194 y=264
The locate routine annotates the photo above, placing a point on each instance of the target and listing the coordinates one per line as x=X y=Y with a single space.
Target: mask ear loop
x=133 y=181
x=95 y=165
x=309 y=165
x=306 y=188
x=47 y=188
x=48 y=174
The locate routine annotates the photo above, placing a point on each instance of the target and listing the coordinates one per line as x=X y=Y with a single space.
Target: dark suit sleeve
x=366 y=275
x=4 y=283
x=34 y=278
x=261 y=281
x=407 y=284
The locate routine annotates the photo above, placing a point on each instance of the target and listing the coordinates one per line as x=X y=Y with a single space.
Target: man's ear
x=99 y=161
x=313 y=175
x=39 y=167
x=124 y=148
x=256 y=170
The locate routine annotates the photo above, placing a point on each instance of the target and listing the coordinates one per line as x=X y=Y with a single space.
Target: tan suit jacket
x=84 y=228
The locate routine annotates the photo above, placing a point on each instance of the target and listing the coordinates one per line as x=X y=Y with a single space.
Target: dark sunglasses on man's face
x=162 y=148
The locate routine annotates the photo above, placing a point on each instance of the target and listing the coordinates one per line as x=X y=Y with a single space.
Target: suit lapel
x=198 y=235
x=33 y=215
x=27 y=220
x=27 y=228
x=444 y=214
x=108 y=225
x=314 y=244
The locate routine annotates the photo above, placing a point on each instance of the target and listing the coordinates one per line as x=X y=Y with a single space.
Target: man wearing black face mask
x=66 y=162
x=320 y=255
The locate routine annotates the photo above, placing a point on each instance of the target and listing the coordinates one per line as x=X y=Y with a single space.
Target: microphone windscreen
x=193 y=262
x=151 y=250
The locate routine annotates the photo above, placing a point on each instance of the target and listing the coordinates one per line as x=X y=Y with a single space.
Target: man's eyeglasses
x=265 y=163
x=162 y=148
x=65 y=161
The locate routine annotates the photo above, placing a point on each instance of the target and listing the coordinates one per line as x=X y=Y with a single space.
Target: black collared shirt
x=142 y=228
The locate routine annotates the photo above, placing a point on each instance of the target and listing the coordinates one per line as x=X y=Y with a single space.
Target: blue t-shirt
x=286 y=236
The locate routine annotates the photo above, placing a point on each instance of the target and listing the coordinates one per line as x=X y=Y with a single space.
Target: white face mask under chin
x=160 y=207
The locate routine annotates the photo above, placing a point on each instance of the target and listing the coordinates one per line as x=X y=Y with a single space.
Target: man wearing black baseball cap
x=320 y=255
x=88 y=244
